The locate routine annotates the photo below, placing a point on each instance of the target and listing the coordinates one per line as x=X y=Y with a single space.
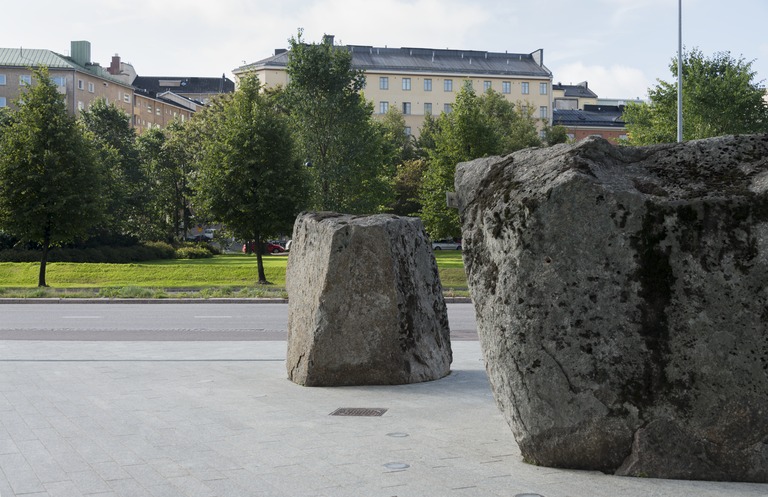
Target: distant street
x=169 y=322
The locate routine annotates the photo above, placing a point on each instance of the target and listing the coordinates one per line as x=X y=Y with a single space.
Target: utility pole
x=679 y=71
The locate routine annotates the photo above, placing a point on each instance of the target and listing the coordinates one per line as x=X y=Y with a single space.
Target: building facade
x=82 y=82
x=421 y=81
x=573 y=97
x=601 y=120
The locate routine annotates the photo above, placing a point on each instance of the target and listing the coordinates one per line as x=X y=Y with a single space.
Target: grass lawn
x=220 y=276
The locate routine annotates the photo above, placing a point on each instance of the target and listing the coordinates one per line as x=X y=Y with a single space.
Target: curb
x=58 y=300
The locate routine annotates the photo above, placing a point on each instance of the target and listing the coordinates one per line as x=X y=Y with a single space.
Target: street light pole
x=679 y=71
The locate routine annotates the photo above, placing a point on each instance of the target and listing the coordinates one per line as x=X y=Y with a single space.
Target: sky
x=620 y=47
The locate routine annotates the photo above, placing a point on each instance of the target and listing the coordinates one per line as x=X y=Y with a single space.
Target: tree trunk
x=259 y=261
x=44 y=258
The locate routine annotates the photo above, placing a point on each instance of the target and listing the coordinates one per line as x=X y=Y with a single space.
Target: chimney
x=81 y=52
x=328 y=39
x=114 y=67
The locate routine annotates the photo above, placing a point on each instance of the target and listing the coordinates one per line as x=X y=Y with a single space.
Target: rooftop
x=428 y=60
x=33 y=57
x=604 y=116
x=182 y=85
x=580 y=90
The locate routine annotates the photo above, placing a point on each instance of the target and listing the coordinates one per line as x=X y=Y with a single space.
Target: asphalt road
x=169 y=321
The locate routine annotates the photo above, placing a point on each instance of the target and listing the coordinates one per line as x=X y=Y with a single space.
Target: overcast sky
x=619 y=46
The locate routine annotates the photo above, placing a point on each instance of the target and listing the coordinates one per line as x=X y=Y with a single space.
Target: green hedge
x=143 y=252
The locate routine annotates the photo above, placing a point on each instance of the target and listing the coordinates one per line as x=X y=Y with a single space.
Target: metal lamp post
x=679 y=71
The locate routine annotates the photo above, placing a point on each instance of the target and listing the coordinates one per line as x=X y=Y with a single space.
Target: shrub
x=112 y=254
x=193 y=253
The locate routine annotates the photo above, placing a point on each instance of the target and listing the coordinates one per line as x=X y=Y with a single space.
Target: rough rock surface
x=622 y=303
x=365 y=302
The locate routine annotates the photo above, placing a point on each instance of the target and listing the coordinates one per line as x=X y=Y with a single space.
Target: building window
x=506 y=87
x=427 y=108
x=126 y=98
x=90 y=87
x=486 y=85
x=80 y=105
x=25 y=79
x=406 y=108
x=80 y=84
x=2 y=102
x=383 y=107
x=2 y=79
x=428 y=84
x=524 y=88
x=407 y=84
x=448 y=85
x=543 y=112
x=157 y=111
x=407 y=131
x=149 y=108
x=383 y=83
x=447 y=108
x=542 y=88
x=59 y=81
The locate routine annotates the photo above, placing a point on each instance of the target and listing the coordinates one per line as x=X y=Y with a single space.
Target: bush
x=136 y=253
x=193 y=253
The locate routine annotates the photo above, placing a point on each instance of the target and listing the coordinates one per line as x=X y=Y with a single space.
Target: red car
x=270 y=248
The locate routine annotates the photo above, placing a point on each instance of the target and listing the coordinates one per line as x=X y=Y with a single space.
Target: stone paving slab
x=220 y=419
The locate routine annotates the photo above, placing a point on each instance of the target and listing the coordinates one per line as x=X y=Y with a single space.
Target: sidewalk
x=165 y=419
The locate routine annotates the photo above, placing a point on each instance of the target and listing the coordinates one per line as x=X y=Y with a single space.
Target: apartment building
x=192 y=88
x=82 y=81
x=421 y=81
x=573 y=97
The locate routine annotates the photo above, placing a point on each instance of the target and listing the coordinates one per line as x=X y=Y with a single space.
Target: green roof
x=30 y=57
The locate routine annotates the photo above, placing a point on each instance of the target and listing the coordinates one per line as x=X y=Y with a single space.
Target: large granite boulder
x=622 y=303
x=365 y=302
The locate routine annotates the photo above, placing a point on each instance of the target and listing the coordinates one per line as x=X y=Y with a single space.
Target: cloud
x=616 y=81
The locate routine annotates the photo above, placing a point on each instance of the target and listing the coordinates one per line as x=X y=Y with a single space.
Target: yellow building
x=82 y=81
x=421 y=81
x=573 y=97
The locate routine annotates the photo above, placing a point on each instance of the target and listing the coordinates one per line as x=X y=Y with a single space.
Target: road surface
x=169 y=321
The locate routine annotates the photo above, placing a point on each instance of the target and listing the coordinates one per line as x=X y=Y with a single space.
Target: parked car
x=205 y=235
x=447 y=244
x=269 y=248
x=274 y=248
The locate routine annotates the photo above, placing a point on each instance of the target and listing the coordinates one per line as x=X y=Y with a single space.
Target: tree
x=248 y=175
x=335 y=131
x=125 y=185
x=408 y=180
x=720 y=97
x=168 y=158
x=49 y=183
x=478 y=126
x=554 y=135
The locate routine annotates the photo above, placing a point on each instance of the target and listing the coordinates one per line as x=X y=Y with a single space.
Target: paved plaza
x=171 y=419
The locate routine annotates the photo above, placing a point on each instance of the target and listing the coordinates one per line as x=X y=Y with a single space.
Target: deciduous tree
x=248 y=175
x=335 y=131
x=478 y=126
x=720 y=97
x=49 y=183
x=125 y=187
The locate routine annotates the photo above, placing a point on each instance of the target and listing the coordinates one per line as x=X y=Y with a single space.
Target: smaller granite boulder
x=365 y=302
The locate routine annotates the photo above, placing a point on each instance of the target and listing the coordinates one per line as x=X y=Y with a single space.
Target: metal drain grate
x=358 y=411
